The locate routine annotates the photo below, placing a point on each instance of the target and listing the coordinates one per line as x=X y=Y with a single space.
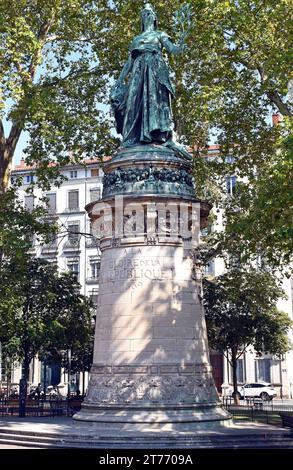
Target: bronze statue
x=141 y=97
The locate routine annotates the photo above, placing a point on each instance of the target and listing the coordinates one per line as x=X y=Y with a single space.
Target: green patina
x=141 y=98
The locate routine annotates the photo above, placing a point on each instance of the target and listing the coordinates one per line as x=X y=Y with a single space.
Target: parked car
x=262 y=390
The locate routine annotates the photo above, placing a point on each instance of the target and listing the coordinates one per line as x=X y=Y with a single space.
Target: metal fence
x=255 y=409
x=267 y=412
x=52 y=407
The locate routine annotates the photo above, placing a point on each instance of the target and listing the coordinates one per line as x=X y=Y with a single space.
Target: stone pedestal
x=151 y=365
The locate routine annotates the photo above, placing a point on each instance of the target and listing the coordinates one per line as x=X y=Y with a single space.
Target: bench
x=287 y=420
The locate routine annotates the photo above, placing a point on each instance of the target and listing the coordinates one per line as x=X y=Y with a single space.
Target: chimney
x=276 y=118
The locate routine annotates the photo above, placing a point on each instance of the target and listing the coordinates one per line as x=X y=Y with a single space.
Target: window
x=73 y=174
x=51 y=204
x=240 y=371
x=94 y=268
x=230 y=184
x=29 y=178
x=95 y=194
x=73 y=232
x=94 y=298
x=263 y=370
x=29 y=203
x=73 y=267
x=73 y=200
x=51 y=240
x=94 y=172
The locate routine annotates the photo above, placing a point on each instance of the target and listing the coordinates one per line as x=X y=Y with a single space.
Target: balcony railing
x=50 y=248
x=71 y=244
x=92 y=280
x=72 y=209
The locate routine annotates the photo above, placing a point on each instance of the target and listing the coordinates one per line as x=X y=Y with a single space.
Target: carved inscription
x=135 y=268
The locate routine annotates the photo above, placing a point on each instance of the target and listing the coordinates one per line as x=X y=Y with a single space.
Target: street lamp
x=69 y=371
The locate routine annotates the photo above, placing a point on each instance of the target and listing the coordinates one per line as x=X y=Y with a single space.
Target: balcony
x=49 y=248
x=70 y=210
x=92 y=280
x=51 y=212
x=71 y=245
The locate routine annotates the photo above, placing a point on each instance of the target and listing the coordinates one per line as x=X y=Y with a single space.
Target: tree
x=240 y=309
x=51 y=82
x=50 y=311
x=18 y=225
x=81 y=352
x=259 y=215
x=77 y=336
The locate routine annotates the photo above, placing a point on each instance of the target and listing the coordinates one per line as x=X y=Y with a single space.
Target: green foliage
x=259 y=215
x=240 y=311
x=18 y=225
x=52 y=82
x=240 y=308
x=48 y=314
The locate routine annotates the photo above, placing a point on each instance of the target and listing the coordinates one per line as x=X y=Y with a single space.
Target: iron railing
x=256 y=409
x=51 y=407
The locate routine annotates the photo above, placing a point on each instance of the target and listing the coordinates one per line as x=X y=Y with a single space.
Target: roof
x=23 y=167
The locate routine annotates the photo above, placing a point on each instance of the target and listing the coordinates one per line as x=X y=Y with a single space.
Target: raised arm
x=172 y=48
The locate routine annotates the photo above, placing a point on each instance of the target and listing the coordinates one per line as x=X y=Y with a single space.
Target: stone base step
x=45 y=440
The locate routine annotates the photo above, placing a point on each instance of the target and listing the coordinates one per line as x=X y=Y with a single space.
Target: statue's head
x=148 y=17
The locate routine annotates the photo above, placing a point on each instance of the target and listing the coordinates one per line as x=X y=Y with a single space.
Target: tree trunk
x=5 y=165
x=23 y=387
x=234 y=376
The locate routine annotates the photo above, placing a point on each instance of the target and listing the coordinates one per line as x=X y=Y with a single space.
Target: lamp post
x=69 y=372
x=45 y=376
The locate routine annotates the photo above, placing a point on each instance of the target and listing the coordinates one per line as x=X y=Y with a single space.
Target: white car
x=262 y=390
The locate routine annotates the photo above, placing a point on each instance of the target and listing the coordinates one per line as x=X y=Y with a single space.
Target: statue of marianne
x=141 y=97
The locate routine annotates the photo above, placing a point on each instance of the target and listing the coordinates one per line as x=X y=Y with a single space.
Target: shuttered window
x=73 y=231
x=73 y=199
x=73 y=267
x=94 y=172
x=94 y=268
x=51 y=204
